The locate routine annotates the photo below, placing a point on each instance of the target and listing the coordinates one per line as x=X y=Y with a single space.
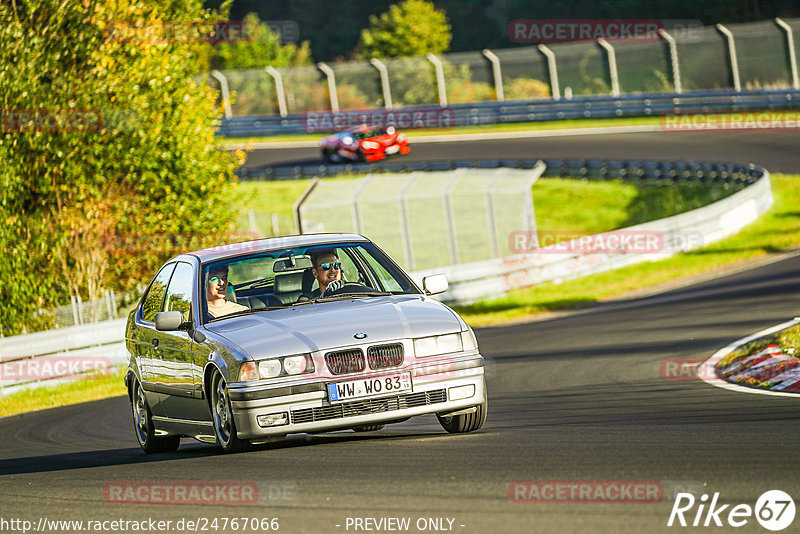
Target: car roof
x=272 y=243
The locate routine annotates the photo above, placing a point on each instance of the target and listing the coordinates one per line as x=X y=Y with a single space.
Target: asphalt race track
x=776 y=150
x=582 y=397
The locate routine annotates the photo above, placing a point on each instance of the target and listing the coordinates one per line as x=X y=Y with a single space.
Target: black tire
x=143 y=424
x=224 y=425
x=368 y=428
x=327 y=156
x=469 y=422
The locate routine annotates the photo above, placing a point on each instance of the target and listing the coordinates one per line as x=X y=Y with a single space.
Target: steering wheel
x=349 y=287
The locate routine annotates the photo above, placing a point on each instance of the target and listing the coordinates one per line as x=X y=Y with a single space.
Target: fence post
x=497 y=73
x=405 y=234
x=275 y=227
x=792 y=56
x=552 y=68
x=226 y=96
x=673 y=57
x=384 y=72
x=612 y=66
x=437 y=64
x=331 y=85
x=272 y=71
x=734 y=64
x=299 y=204
x=76 y=318
x=450 y=216
x=251 y=219
x=490 y=217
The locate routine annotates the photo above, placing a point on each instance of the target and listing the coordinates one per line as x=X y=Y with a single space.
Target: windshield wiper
x=356 y=294
x=247 y=312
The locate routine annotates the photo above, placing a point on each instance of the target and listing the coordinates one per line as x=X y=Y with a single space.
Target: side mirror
x=169 y=321
x=434 y=284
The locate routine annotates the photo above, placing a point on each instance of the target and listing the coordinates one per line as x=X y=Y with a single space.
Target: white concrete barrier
x=650 y=241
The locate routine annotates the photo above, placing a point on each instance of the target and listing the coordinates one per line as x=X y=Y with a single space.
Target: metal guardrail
x=42 y=358
x=509 y=112
x=646 y=171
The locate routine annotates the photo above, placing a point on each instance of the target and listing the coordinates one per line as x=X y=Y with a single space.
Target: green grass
x=100 y=386
x=776 y=231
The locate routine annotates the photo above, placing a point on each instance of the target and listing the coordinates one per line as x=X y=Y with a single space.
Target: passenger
x=216 y=293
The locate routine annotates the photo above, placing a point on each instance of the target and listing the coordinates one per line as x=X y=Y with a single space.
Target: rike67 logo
x=774 y=510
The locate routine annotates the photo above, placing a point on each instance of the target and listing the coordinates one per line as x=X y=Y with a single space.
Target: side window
x=179 y=293
x=155 y=295
x=387 y=280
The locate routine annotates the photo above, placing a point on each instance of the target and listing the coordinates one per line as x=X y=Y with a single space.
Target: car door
x=146 y=338
x=178 y=353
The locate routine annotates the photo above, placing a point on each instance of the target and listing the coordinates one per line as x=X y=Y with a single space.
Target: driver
x=327 y=269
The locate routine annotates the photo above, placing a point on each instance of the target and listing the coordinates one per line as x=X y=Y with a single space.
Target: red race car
x=363 y=143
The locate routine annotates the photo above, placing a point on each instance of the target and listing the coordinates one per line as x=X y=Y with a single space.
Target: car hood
x=328 y=325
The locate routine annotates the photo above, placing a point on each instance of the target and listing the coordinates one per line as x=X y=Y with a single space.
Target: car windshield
x=264 y=281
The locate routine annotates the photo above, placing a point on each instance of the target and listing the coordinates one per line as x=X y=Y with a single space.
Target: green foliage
x=525 y=89
x=128 y=153
x=412 y=28
x=261 y=49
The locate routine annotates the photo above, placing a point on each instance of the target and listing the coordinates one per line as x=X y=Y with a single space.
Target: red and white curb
x=707 y=373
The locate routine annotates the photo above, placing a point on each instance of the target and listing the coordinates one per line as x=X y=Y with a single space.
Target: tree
x=107 y=148
x=412 y=28
x=262 y=49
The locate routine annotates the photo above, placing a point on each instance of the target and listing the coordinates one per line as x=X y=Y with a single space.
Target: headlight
x=286 y=366
x=430 y=346
x=468 y=340
x=347 y=141
x=401 y=137
x=294 y=365
x=269 y=368
x=369 y=145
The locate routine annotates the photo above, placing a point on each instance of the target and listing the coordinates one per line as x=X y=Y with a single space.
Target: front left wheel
x=224 y=425
x=468 y=422
x=143 y=424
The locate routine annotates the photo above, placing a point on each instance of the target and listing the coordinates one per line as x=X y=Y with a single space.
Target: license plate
x=392 y=149
x=369 y=387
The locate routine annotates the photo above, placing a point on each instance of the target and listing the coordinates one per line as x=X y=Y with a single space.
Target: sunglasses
x=335 y=266
x=217 y=280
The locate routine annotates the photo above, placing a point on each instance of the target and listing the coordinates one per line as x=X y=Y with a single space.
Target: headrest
x=289 y=282
x=295 y=263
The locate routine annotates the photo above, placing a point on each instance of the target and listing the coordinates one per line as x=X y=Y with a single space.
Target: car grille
x=383 y=356
x=368 y=406
x=345 y=361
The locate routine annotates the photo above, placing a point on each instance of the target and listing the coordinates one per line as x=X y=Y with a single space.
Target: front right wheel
x=224 y=425
x=468 y=422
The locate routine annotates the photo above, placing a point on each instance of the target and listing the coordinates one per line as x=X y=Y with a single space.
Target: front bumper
x=308 y=409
